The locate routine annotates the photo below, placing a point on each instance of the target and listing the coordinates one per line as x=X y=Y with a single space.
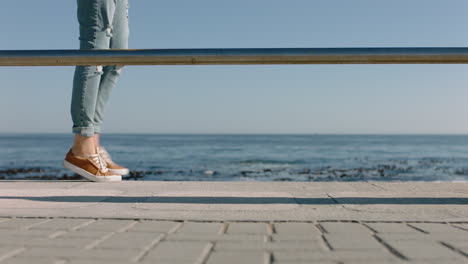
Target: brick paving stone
x=38 y=260
x=61 y=224
x=84 y=234
x=423 y=237
x=129 y=240
x=240 y=257
x=175 y=261
x=18 y=223
x=462 y=226
x=73 y=253
x=437 y=228
x=107 y=225
x=276 y=246
x=177 y=251
x=437 y=261
x=247 y=228
x=205 y=228
x=365 y=256
x=154 y=226
x=45 y=242
x=93 y=261
x=296 y=237
x=170 y=262
x=308 y=262
x=460 y=245
x=415 y=250
x=405 y=237
x=6 y=251
x=296 y=228
x=392 y=228
x=33 y=260
x=352 y=241
x=390 y=261
x=26 y=233
x=338 y=227
x=463 y=246
x=219 y=237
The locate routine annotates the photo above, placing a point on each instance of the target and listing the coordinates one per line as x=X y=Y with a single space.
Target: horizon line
x=240 y=134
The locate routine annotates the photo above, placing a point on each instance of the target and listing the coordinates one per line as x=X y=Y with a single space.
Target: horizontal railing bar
x=440 y=55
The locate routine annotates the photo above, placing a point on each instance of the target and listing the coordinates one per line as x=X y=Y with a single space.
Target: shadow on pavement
x=247 y=200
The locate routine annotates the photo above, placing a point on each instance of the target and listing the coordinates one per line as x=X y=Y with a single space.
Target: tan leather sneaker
x=93 y=168
x=112 y=166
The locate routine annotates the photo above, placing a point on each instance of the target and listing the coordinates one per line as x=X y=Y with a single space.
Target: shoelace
x=97 y=159
x=104 y=154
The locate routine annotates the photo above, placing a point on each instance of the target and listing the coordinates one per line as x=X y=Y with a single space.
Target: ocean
x=175 y=157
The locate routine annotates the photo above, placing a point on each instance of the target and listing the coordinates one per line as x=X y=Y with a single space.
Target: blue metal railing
x=449 y=55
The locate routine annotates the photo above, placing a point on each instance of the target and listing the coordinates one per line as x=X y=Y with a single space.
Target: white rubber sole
x=120 y=171
x=90 y=176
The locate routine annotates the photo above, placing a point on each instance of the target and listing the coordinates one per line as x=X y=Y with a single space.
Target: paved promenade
x=233 y=222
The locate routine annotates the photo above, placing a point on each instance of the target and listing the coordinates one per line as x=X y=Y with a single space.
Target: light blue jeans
x=103 y=25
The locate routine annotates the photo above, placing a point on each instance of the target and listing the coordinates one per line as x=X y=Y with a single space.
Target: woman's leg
x=95 y=18
x=119 y=40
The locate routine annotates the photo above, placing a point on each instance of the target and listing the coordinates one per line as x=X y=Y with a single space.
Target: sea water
x=249 y=157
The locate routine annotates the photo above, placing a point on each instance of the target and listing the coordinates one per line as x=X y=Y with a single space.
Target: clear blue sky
x=249 y=99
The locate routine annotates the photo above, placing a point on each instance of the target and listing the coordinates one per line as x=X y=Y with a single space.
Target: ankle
x=82 y=152
x=83 y=146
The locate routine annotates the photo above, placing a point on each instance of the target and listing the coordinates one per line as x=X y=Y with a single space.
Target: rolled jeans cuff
x=97 y=129
x=84 y=131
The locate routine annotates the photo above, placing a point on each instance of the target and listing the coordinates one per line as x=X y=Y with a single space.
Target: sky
x=252 y=99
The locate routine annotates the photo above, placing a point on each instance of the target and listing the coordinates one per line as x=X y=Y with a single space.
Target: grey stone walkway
x=82 y=240
x=233 y=222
